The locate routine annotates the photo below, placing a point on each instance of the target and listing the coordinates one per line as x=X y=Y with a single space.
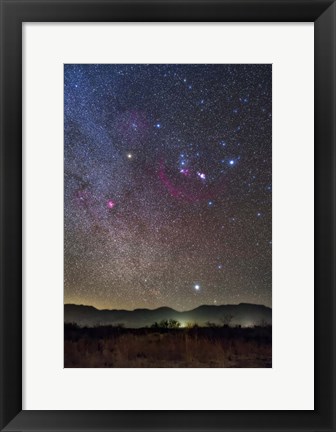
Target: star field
x=168 y=185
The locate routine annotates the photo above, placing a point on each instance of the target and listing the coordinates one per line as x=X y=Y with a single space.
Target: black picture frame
x=13 y=14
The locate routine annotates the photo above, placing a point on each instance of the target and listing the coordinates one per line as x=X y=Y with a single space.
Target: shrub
x=167 y=324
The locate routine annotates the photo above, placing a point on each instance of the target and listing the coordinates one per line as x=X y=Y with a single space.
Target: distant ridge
x=245 y=314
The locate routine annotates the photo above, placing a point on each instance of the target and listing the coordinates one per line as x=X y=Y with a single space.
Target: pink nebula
x=184 y=171
x=110 y=204
x=186 y=192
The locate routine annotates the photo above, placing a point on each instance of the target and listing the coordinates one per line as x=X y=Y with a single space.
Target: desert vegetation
x=167 y=344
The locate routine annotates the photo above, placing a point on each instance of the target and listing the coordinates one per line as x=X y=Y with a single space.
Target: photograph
x=167 y=215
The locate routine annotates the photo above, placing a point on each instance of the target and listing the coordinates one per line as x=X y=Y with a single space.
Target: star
x=184 y=171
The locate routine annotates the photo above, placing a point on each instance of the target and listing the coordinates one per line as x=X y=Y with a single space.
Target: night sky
x=168 y=185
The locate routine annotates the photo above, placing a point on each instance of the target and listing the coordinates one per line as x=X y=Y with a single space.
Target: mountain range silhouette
x=244 y=314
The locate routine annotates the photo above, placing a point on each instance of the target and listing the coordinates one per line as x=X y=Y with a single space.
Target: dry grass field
x=199 y=347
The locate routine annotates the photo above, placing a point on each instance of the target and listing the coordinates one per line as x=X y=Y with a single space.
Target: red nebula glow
x=184 y=192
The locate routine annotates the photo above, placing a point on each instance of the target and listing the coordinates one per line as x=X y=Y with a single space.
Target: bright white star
x=201 y=175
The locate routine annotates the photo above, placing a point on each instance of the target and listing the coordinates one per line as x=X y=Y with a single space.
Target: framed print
x=180 y=197
x=167 y=230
